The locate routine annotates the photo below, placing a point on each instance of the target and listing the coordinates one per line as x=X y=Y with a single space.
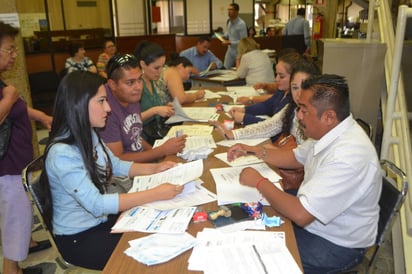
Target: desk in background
x=121 y=263
x=209 y=81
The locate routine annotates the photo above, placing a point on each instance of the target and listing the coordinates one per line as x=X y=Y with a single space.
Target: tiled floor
x=384 y=261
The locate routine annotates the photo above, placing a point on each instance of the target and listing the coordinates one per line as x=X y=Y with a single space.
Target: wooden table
x=121 y=263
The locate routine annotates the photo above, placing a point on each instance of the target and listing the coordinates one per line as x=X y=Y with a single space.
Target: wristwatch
x=250 y=100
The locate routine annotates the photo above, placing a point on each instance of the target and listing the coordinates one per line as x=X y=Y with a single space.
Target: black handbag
x=155 y=129
x=5 y=135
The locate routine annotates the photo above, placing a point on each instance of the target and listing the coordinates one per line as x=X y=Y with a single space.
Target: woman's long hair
x=301 y=66
x=71 y=125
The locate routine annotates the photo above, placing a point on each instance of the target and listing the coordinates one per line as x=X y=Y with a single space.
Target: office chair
x=394 y=190
x=366 y=127
x=30 y=177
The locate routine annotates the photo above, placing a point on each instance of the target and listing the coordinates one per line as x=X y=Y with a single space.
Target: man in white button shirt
x=335 y=212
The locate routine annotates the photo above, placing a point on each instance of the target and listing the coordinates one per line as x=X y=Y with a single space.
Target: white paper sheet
x=178 y=175
x=241 y=161
x=208 y=94
x=159 y=248
x=242 y=252
x=249 y=142
x=229 y=190
x=193 y=194
x=191 y=130
x=195 y=114
x=150 y=220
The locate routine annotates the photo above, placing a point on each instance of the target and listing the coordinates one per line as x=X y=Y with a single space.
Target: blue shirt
x=269 y=107
x=201 y=62
x=77 y=203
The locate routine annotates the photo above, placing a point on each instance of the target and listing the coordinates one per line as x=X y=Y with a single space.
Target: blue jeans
x=321 y=256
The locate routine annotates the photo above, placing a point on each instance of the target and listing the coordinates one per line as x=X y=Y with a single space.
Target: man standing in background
x=299 y=25
x=236 y=30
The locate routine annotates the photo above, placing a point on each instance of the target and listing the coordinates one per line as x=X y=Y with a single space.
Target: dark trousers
x=91 y=248
x=320 y=256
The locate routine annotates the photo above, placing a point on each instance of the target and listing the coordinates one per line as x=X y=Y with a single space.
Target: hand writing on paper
x=249 y=177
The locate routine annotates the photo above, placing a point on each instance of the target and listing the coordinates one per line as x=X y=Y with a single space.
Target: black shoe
x=32 y=270
x=42 y=245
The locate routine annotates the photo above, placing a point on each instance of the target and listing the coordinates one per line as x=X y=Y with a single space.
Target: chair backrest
x=394 y=189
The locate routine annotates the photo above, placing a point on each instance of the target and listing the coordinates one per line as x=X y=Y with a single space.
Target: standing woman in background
x=16 y=212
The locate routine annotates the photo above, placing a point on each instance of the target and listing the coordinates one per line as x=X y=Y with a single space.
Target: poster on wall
x=10 y=18
x=32 y=22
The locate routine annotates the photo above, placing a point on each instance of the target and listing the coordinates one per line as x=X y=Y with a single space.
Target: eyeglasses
x=121 y=60
x=10 y=50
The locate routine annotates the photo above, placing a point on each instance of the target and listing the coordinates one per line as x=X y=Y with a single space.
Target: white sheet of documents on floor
x=230 y=191
x=194 y=114
x=150 y=220
x=178 y=175
x=159 y=248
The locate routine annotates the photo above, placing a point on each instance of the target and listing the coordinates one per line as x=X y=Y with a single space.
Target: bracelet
x=260 y=180
x=262 y=157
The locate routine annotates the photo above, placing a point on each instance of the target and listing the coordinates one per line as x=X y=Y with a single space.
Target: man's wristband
x=260 y=181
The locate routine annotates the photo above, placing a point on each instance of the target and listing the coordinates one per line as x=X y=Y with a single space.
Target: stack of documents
x=242 y=252
x=159 y=248
x=194 y=114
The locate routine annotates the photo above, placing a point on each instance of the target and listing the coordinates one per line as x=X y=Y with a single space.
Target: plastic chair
x=394 y=190
x=30 y=177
